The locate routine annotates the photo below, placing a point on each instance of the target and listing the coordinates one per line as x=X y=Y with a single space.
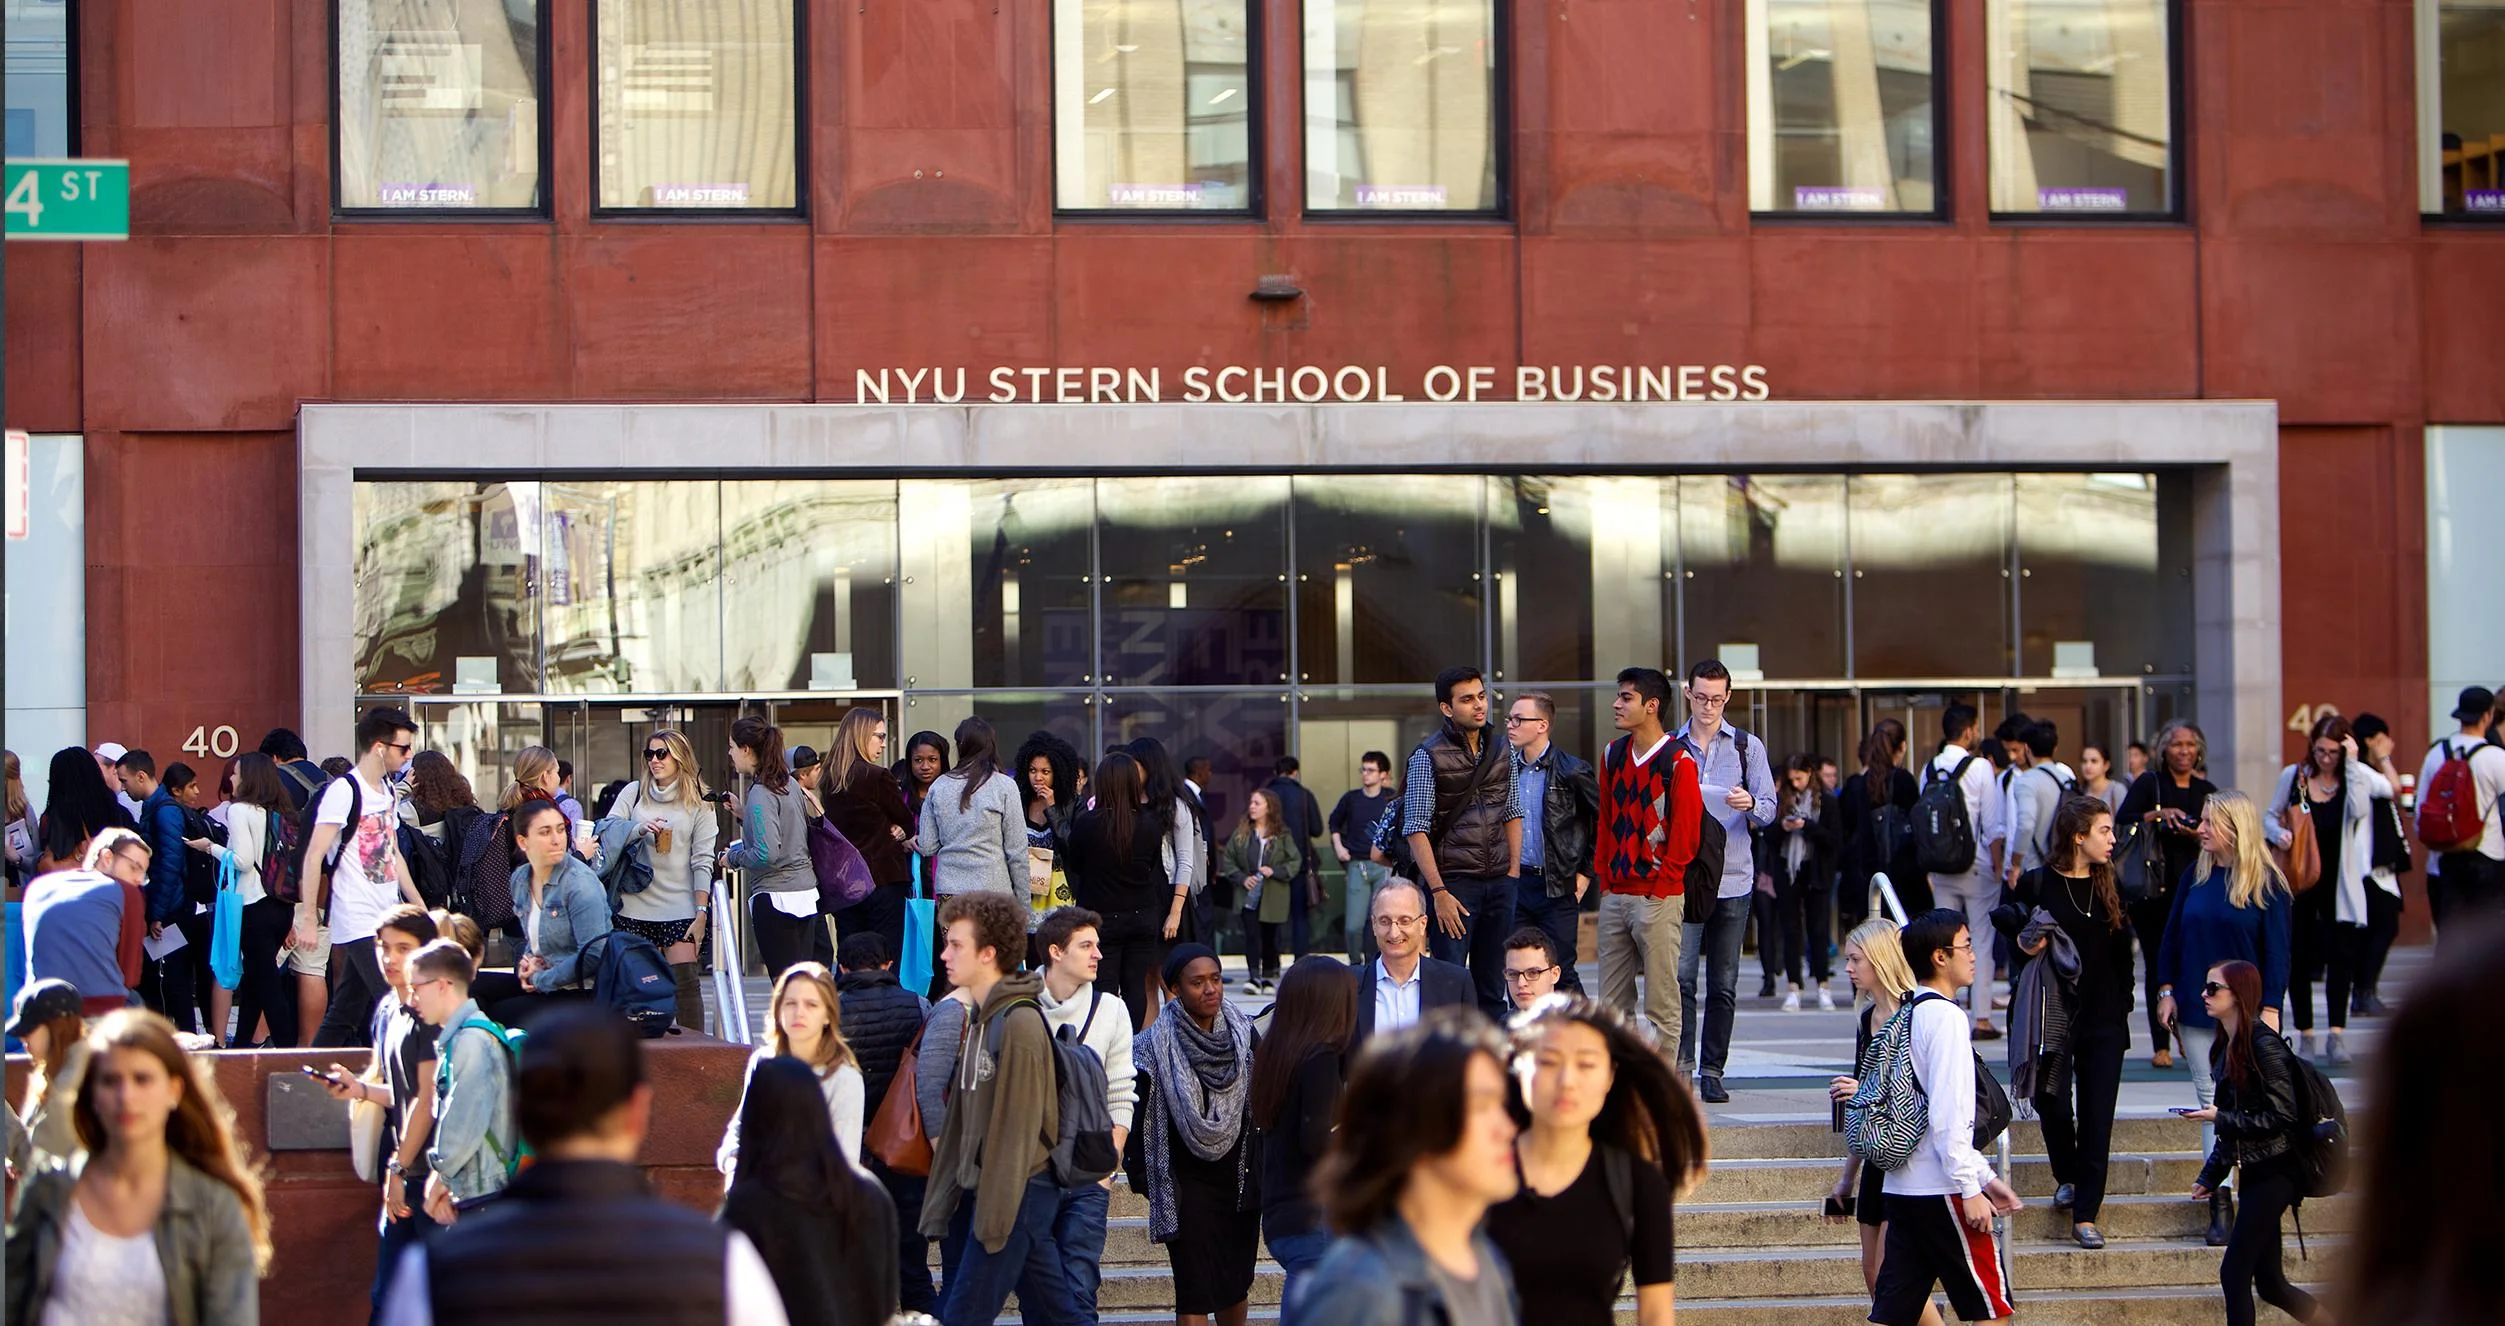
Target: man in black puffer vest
x=579 y=1236
x=880 y=1018
x=1461 y=808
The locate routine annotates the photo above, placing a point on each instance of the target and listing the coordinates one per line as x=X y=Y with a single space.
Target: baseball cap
x=2474 y=704
x=112 y=750
x=43 y=1001
x=804 y=757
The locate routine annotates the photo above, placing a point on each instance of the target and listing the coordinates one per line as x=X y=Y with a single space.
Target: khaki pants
x=1642 y=934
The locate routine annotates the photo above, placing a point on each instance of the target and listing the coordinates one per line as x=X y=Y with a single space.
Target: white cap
x=112 y=750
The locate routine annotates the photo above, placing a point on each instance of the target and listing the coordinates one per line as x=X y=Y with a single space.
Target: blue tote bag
x=226 y=933
x=913 y=966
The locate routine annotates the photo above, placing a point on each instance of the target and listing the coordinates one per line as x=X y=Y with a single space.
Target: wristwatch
x=396 y=1169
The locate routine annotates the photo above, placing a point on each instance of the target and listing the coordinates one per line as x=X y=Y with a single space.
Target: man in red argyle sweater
x=1650 y=806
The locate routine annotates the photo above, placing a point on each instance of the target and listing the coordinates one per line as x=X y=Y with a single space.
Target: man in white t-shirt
x=2470 y=882
x=353 y=865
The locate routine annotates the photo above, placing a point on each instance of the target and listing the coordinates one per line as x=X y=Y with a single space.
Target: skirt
x=1215 y=1245
x=661 y=933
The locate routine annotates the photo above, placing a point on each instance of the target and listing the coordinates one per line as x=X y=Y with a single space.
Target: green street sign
x=68 y=199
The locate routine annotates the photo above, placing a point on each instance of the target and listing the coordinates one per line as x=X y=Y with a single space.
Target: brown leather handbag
x=895 y=1135
x=2301 y=859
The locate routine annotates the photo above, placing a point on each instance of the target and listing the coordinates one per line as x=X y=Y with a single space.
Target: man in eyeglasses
x=354 y=873
x=1560 y=814
x=1401 y=984
x=1532 y=967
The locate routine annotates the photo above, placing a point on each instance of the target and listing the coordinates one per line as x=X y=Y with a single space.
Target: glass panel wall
x=697 y=104
x=1387 y=577
x=998 y=582
x=2461 y=107
x=1401 y=104
x=1931 y=554
x=809 y=588
x=1195 y=586
x=2080 y=101
x=439 y=105
x=1585 y=571
x=1841 y=116
x=1152 y=106
x=1761 y=571
x=2089 y=544
x=444 y=587
x=633 y=586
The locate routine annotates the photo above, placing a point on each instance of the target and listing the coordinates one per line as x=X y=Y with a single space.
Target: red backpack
x=2449 y=818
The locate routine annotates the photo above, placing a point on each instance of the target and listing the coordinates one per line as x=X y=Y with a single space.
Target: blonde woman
x=1874 y=961
x=537 y=776
x=665 y=807
x=808 y=1026
x=866 y=805
x=165 y=1219
x=2235 y=908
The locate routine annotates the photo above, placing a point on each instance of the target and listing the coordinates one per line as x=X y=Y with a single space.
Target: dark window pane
x=633 y=584
x=998 y=582
x=809 y=599
x=697 y=104
x=2080 y=100
x=444 y=581
x=1242 y=734
x=2462 y=160
x=1840 y=107
x=438 y=104
x=1152 y=105
x=1194 y=572
x=1584 y=569
x=1069 y=715
x=1931 y=567
x=1387 y=577
x=1400 y=105
x=2105 y=565
x=1761 y=562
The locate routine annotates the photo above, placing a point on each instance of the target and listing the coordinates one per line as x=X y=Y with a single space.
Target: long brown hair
x=2243 y=980
x=67 y=1031
x=2076 y=820
x=851 y=750
x=2334 y=729
x=978 y=758
x=1879 y=753
x=835 y=1052
x=201 y=1129
x=436 y=785
x=1407 y=1100
x=257 y=783
x=1648 y=1113
x=1269 y=825
x=1316 y=1014
x=1118 y=789
x=17 y=786
x=765 y=741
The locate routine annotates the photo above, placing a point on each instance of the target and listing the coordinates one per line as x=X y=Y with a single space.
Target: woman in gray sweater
x=973 y=829
x=774 y=850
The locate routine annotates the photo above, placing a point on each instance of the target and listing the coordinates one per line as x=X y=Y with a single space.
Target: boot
x=691 y=1001
x=2221 y=1217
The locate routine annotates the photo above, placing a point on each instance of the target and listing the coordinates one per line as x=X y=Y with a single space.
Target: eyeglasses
x=1526 y=975
x=1708 y=701
x=1962 y=946
x=415 y=986
x=2212 y=988
x=1516 y=720
x=1398 y=922
x=657 y=753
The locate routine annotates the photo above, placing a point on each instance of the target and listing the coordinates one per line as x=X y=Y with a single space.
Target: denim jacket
x=574 y=911
x=1381 y=1278
x=203 y=1241
x=474 y=1137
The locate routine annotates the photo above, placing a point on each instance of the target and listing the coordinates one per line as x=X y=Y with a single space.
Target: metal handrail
x=730 y=989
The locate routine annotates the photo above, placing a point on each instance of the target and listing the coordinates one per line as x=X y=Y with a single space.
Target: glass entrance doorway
x=1830 y=719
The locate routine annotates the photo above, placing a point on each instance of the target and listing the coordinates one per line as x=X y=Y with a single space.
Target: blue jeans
x=1298 y=1254
x=1556 y=917
x=1716 y=943
x=913 y=1252
x=1364 y=877
x=1489 y=900
x=398 y=1237
x=1079 y=1228
x=979 y=1280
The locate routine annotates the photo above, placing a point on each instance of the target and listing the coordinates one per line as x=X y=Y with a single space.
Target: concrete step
x=1809 y=1180
x=2126 y=1307
x=1775 y=1141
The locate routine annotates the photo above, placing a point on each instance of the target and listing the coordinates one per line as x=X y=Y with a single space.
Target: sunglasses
x=2213 y=989
x=657 y=753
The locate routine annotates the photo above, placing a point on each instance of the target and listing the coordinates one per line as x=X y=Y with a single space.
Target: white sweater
x=247 y=841
x=1109 y=1036
x=1945 y=1161
x=844 y=1097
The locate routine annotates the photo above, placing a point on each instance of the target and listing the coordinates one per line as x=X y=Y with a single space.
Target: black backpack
x=1991 y=1102
x=633 y=980
x=296 y=868
x=2391 y=845
x=1703 y=881
x=1943 y=831
x=430 y=866
x=1084 y=1152
x=482 y=887
x=200 y=869
x=2320 y=1138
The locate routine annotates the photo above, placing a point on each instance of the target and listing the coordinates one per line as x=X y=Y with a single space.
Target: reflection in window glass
x=997 y=582
x=2461 y=107
x=697 y=104
x=1069 y=715
x=1840 y=114
x=1930 y=575
x=1194 y=572
x=809 y=602
x=1241 y=733
x=2080 y=106
x=2089 y=544
x=1387 y=577
x=438 y=104
x=1583 y=575
x=39 y=119
x=1400 y=105
x=443 y=587
x=632 y=596
x=1759 y=561
x=1152 y=105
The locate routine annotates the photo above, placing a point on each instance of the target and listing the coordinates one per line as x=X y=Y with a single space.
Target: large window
x=2081 y=107
x=439 y=105
x=2461 y=107
x=1152 y=106
x=698 y=105
x=1841 y=117
x=1401 y=106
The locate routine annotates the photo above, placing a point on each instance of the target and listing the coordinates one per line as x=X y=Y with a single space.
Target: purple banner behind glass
x=1826 y=198
x=700 y=195
x=1153 y=195
x=427 y=195
x=2483 y=200
x=2083 y=200
x=1403 y=197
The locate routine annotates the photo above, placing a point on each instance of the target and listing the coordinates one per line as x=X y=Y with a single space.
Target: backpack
x=428 y=868
x=512 y=1153
x=339 y=843
x=282 y=856
x=2449 y=817
x=1943 y=829
x=1887 y=1118
x=1084 y=1152
x=2321 y=1137
x=200 y=869
x=2391 y=842
x=635 y=982
x=483 y=887
x=1703 y=881
x=1891 y=832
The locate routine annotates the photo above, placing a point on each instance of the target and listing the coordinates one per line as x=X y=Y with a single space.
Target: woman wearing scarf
x=1204 y=1202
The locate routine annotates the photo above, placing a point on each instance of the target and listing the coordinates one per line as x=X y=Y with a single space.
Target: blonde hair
x=462 y=930
x=2251 y=874
x=530 y=764
x=834 y=1052
x=1883 y=947
x=201 y=1130
x=683 y=755
x=851 y=748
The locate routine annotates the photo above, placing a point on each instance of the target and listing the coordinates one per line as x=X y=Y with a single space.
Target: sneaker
x=2305 y=1044
x=1791 y=1002
x=2336 y=1052
x=1826 y=1000
x=1714 y=1093
x=1765 y=988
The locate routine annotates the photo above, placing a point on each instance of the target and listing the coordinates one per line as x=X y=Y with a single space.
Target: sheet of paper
x=167 y=941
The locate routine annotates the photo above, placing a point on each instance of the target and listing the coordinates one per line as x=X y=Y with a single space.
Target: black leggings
x=2080 y=1144
x=785 y=941
x=268 y=989
x=2383 y=926
x=2253 y=1258
x=2148 y=924
x=2322 y=946
x=1261 y=944
x=1131 y=942
x=1800 y=901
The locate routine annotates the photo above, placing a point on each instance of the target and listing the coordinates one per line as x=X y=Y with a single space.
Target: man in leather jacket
x=1560 y=820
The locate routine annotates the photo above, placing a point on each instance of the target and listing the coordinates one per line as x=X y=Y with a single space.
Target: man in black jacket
x=1302 y=816
x=1560 y=820
x=880 y=1018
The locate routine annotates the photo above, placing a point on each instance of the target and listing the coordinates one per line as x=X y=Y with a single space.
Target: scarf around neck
x=1202 y=1082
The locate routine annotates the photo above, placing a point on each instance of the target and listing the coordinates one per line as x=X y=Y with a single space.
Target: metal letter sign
x=68 y=199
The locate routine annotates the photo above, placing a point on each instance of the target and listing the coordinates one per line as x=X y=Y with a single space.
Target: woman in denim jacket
x=563 y=907
x=1424 y=1148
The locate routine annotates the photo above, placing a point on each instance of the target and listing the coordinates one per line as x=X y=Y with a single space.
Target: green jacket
x=203 y=1240
x=1285 y=859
